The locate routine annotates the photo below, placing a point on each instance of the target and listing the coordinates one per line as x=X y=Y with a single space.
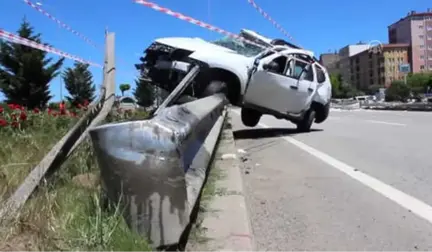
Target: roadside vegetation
x=66 y=213
x=416 y=85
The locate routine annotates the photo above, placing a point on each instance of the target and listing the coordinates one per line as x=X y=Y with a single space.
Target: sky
x=319 y=26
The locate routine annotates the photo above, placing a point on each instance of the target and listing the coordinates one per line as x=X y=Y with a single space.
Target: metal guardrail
x=156 y=168
x=345 y=105
x=399 y=106
x=97 y=111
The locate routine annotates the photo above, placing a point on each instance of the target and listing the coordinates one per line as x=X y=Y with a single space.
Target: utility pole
x=61 y=89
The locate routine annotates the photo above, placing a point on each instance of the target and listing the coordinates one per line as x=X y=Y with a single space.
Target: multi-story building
x=415 y=29
x=330 y=61
x=380 y=69
x=344 y=59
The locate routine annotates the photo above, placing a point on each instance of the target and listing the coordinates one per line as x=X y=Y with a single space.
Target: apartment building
x=330 y=61
x=344 y=59
x=415 y=29
x=381 y=69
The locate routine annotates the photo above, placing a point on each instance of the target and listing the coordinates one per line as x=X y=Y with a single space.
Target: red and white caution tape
x=195 y=22
x=61 y=24
x=267 y=16
x=26 y=42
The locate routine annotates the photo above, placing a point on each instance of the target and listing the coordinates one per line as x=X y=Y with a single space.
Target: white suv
x=283 y=80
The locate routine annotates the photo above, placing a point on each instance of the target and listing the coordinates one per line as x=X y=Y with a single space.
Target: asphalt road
x=362 y=180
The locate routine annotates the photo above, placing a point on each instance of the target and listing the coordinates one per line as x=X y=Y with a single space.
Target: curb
x=228 y=226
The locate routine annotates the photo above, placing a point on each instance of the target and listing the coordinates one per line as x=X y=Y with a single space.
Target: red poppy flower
x=79 y=106
x=49 y=110
x=1 y=109
x=73 y=114
x=54 y=114
x=12 y=106
x=62 y=112
x=86 y=103
x=15 y=124
x=36 y=110
x=14 y=117
x=3 y=122
x=23 y=116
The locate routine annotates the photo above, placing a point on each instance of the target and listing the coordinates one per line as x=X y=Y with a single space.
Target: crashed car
x=267 y=76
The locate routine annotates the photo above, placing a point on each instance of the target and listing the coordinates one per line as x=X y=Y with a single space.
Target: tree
x=145 y=93
x=336 y=82
x=25 y=73
x=419 y=83
x=79 y=83
x=398 y=91
x=124 y=87
x=373 y=89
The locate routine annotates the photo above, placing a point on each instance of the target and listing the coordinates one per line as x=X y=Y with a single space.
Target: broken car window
x=238 y=46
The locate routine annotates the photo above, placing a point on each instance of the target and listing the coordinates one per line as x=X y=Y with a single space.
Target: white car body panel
x=264 y=89
x=192 y=44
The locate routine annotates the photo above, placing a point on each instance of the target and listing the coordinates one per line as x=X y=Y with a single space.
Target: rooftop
x=411 y=14
x=395 y=45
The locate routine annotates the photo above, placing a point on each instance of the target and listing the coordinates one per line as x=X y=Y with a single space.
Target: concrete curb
x=228 y=226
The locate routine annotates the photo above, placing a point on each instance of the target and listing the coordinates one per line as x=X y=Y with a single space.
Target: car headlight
x=161 y=47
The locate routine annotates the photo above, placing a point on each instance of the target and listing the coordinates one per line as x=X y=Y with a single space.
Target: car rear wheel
x=250 y=117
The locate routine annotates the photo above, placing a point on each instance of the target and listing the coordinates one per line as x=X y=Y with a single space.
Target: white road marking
x=408 y=202
x=388 y=123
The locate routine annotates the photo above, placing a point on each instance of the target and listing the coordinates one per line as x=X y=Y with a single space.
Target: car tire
x=322 y=113
x=306 y=123
x=250 y=117
x=215 y=87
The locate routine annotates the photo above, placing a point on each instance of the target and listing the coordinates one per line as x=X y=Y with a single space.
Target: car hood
x=192 y=44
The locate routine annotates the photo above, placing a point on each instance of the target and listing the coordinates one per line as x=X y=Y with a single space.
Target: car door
x=301 y=69
x=271 y=88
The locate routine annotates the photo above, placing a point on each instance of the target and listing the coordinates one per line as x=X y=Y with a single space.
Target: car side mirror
x=271 y=66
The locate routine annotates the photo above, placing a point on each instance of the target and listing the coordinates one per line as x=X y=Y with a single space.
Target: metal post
x=61 y=89
x=172 y=97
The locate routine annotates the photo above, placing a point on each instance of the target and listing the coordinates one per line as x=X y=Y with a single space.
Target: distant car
x=277 y=78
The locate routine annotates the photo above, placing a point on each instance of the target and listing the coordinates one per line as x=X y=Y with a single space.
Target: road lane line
x=388 y=123
x=408 y=202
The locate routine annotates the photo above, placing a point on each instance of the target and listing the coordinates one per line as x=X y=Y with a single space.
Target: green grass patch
x=66 y=213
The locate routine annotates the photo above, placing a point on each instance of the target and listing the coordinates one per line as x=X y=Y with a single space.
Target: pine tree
x=25 y=73
x=79 y=83
x=144 y=93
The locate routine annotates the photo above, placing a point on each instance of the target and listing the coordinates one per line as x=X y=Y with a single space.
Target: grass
x=65 y=213
x=26 y=143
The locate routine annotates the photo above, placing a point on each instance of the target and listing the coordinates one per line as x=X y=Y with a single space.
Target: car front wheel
x=306 y=123
x=250 y=117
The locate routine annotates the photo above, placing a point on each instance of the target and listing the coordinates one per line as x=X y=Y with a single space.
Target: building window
x=421 y=27
x=421 y=37
x=429 y=28
x=429 y=47
x=422 y=57
x=429 y=37
x=422 y=46
x=422 y=67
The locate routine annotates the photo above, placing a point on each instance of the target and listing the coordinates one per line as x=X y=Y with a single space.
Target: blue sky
x=319 y=26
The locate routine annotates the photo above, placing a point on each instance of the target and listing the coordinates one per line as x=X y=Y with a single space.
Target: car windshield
x=238 y=46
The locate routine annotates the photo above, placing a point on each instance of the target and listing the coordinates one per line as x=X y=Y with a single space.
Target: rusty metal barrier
x=155 y=169
x=97 y=111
